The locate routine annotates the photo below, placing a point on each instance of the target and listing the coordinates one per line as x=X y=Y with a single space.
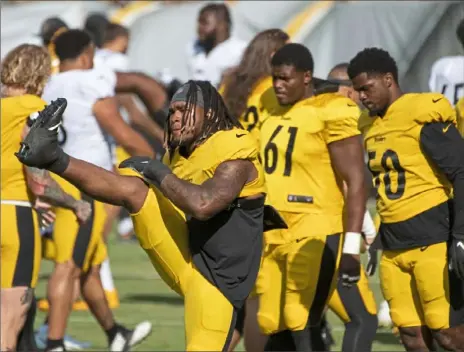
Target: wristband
x=352 y=244
x=368 y=227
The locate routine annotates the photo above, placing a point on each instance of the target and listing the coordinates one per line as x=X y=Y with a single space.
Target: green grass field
x=145 y=297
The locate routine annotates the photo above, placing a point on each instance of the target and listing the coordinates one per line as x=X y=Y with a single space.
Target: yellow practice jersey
x=407 y=182
x=15 y=111
x=295 y=153
x=222 y=146
x=460 y=115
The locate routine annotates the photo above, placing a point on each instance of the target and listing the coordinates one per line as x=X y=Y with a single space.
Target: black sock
x=51 y=344
x=46 y=320
x=111 y=332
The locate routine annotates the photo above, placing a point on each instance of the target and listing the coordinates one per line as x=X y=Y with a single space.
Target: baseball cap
x=49 y=27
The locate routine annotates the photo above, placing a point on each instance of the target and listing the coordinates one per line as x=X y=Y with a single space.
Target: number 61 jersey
x=295 y=155
x=407 y=181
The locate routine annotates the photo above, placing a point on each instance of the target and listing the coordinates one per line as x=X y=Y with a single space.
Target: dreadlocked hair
x=217 y=116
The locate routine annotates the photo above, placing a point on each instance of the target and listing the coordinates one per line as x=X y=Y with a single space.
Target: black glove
x=153 y=171
x=349 y=269
x=40 y=148
x=372 y=260
x=456 y=256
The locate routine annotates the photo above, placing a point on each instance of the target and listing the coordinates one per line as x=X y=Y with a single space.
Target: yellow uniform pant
x=418 y=287
x=162 y=232
x=20 y=246
x=295 y=281
x=71 y=241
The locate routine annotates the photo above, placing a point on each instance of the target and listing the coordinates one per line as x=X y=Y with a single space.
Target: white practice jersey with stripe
x=447 y=77
x=80 y=134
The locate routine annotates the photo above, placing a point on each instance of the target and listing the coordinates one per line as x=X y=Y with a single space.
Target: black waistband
x=247 y=203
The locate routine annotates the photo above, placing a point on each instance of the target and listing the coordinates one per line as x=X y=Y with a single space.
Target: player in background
x=93 y=114
x=447 y=74
x=309 y=146
x=215 y=50
x=415 y=157
x=96 y=24
x=253 y=74
x=49 y=30
x=24 y=72
x=199 y=214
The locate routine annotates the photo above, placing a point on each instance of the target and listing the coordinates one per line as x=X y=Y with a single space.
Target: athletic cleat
x=70 y=344
x=80 y=305
x=384 y=315
x=125 y=338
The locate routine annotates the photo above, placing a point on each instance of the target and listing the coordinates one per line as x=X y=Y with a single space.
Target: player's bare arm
x=201 y=201
x=151 y=92
x=216 y=194
x=139 y=118
x=348 y=160
x=107 y=113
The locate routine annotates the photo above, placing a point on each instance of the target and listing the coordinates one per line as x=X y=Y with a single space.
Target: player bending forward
x=199 y=215
x=416 y=159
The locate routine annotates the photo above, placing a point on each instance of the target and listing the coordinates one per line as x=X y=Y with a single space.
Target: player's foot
x=40 y=147
x=326 y=332
x=70 y=344
x=125 y=338
x=384 y=315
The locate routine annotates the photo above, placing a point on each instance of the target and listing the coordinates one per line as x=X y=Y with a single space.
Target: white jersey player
x=80 y=134
x=447 y=78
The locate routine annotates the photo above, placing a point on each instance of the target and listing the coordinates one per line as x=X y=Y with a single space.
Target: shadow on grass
x=152 y=298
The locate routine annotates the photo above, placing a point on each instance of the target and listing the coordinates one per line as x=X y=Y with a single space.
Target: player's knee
x=295 y=317
x=267 y=323
x=449 y=339
x=412 y=339
x=68 y=269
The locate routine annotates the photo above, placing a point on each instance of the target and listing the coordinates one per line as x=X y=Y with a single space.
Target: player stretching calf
x=416 y=159
x=199 y=215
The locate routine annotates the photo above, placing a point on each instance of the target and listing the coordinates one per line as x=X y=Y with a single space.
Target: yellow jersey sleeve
x=460 y=115
x=341 y=119
x=434 y=107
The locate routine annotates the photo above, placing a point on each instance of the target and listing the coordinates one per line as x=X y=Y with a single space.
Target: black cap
x=49 y=27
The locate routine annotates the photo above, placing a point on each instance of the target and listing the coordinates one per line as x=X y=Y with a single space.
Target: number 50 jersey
x=296 y=160
x=407 y=182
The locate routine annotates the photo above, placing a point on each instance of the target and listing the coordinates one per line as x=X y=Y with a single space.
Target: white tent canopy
x=416 y=33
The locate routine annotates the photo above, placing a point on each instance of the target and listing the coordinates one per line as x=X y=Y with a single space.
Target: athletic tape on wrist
x=368 y=227
x=352 y=244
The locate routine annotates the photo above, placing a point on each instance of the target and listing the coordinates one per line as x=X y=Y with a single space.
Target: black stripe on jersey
x=84 y=235
x=25 y=260
x=326 y=275
x=233 y=322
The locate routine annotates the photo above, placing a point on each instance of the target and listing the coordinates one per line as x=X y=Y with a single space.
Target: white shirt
x=447 y=77
x=112 y=60
x=83 y=137
x=211 y=67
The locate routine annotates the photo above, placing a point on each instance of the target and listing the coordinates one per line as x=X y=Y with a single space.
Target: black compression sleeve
x=444 y=145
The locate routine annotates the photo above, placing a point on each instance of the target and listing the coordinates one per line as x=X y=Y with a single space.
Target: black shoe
x=40 y=147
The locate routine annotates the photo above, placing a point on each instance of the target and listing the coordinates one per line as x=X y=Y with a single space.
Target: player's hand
x=82 y=210
x=456 y=256
x=40 y=147
x=153 y=171
x=349 y=269
x=46 y=214
x=372 y=260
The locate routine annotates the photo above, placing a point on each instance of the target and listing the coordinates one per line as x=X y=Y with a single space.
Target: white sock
x=125 y=226
x=106 y=275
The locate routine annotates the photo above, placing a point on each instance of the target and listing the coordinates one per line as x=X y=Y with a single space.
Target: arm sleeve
x=443 y=144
